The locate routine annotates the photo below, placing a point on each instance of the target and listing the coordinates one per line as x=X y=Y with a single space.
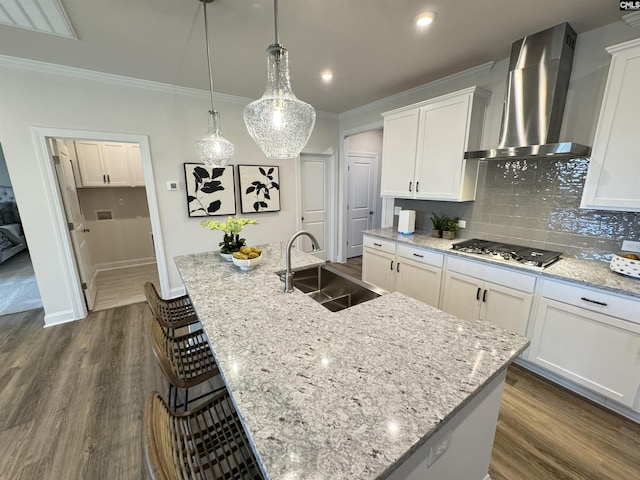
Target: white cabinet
x=109 y=164
x=499 y=296
x=614 y=170
x=424 y=144
x=412 y=271
x=585 y=336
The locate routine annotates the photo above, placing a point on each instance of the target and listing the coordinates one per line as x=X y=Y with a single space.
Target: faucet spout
x=315 y=245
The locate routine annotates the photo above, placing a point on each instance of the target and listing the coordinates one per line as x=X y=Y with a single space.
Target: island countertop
x=345 y=395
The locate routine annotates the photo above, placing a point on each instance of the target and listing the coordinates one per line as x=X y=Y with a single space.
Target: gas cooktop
x=508 y=252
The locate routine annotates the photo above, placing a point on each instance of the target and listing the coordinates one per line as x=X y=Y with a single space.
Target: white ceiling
x=371 y=45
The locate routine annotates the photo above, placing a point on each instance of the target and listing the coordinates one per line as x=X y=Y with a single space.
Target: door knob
x=86 y=230
x=370 y=212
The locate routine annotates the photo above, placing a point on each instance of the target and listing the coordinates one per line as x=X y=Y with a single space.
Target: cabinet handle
x=391 y=264
x=419 y=256
x=410 y=183
x=108 y=178
x=417 y=187
x=478 y=293
x=602 y=304
x=377 y=244
x=104 y=179
x=484 y=297
x=398 y=267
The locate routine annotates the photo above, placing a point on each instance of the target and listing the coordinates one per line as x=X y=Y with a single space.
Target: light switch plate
x=397 y=210
x=631 y=246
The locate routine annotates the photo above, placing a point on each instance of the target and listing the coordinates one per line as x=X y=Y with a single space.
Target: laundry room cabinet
x=109 y=164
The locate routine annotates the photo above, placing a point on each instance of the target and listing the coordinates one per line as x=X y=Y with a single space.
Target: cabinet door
x=135 y=166
x=399 y=145
x=506 y=307
x=116 y=161
x=614 y=170
x=418 y=281
x=461 y=296
x=90 y=162
x=378 y=268
x=596 y=351
x=442 y=142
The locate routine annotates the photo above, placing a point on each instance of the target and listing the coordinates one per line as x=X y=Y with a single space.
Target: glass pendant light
x=278 y=122
x=213 y=148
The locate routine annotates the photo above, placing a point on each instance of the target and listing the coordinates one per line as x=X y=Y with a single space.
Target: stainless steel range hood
x=538 y=81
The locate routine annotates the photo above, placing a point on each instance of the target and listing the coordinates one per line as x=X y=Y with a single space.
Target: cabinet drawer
x=419 y=255
x=500 y=276
x=591 y=299
x=379 y=244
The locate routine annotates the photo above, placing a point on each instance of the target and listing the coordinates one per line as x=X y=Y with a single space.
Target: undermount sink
x=333 y=289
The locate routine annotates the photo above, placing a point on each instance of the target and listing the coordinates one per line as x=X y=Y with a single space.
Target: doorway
x=70 y=272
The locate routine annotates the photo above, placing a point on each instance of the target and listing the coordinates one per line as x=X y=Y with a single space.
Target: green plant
x=439 y=221
x=231 y=241
x=451 y=225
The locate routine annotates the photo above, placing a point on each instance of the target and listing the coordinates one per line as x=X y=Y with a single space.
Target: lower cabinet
x=481 y=293
x=412 y=271
x=584 y=335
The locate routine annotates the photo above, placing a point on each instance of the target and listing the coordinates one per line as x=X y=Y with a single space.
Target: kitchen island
x=379 y=390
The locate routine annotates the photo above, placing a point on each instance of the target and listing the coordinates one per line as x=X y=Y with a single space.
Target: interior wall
x=173 y=119
x=5 y=181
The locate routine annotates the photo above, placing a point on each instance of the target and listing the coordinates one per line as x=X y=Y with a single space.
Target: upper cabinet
x=612 y=180
x=424 y=145
x=109 y=164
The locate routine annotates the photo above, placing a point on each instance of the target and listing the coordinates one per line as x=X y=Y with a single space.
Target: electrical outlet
x=462 y=223
x=439 y=447
x=630 y=246
x=397 y=210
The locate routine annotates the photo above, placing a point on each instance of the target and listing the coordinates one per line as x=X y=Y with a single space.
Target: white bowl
x=625 y=266
x=247 y=264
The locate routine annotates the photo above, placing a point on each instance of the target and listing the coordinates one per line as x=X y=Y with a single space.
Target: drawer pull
x=417 y=255
x=377 y=244
x=602 y=304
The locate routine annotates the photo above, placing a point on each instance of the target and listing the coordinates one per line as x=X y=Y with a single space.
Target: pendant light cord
x=206 y=36
x=275 y=15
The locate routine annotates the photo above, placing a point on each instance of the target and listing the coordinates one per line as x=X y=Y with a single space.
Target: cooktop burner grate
x=508 y=252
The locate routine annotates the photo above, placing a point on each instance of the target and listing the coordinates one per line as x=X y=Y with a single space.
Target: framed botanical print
x=210 y=191
x=259 y=188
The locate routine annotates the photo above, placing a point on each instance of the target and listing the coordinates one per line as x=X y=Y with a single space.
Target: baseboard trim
x=101 y=267
x=58 y=318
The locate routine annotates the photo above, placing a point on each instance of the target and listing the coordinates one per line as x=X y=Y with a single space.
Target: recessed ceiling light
x=327 y=76
x=425 y=18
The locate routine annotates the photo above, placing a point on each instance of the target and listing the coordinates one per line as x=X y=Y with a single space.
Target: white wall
x=172 y=120
x=5 y=181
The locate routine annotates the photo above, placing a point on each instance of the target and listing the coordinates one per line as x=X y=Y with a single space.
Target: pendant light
x=214 y=149
x=278 y=122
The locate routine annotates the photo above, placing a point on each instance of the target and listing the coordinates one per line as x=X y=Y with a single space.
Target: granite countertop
x=337 y=395
x=591 y=274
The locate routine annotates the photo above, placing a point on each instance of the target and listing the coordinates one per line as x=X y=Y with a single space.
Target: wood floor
x=71 y=404
x=123 y=286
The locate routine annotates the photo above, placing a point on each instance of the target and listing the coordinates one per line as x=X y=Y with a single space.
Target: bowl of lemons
x=247 y=258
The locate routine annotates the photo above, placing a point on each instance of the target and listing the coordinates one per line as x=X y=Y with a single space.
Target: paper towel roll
x=407 y=222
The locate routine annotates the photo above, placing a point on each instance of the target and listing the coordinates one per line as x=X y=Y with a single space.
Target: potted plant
x=450 y=228
x=438 y=221
x=231 y=242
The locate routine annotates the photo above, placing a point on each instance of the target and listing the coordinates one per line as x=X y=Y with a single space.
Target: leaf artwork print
x=207 y=190
x=261 y=188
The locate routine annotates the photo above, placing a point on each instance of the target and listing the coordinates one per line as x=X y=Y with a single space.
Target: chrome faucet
x=288 y=287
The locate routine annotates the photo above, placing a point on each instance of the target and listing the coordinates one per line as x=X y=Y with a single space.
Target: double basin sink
x=333 y=289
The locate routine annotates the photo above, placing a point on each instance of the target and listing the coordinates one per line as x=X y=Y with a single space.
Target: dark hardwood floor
x=72 y=396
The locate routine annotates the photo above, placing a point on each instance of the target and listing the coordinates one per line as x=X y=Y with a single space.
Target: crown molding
x=632 y=19
x=394 y=100
x=55 y=69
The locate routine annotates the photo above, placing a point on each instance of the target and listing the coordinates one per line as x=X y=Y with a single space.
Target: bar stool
x=205 y=443
x=186 y=361
x=174 y=313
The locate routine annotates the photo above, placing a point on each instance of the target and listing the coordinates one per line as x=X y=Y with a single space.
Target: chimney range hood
x=539 y=71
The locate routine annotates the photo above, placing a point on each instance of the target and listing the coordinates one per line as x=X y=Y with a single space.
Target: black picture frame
x=210 y=191
x=259 y=188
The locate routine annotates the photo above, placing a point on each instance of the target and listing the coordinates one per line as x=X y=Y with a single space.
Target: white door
x=362 y=195
x=67 y=175
x=314 y=186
